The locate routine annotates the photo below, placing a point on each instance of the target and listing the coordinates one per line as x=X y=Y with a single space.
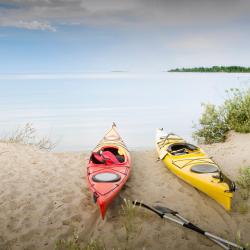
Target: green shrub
x=233 y=114
x=213 y=125
x=238 y=110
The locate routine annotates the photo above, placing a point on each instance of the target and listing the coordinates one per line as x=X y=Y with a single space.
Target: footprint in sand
x=72 y=220
x=67 y=199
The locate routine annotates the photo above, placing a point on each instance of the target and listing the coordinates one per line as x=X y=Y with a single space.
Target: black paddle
x=164 y=212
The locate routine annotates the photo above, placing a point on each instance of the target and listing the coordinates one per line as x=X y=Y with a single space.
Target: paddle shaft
x=185 y=223
x=209 y=235
x=194 y=228
x=214 y=240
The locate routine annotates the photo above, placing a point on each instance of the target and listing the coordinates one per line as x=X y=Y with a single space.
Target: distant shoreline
x=214 y=69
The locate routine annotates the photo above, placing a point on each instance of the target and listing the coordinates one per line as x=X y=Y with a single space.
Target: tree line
x=228 y=69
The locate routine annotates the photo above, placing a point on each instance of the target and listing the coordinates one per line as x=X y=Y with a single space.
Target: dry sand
x=44 y=198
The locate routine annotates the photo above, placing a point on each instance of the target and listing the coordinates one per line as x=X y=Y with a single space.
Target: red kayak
x=108 y=169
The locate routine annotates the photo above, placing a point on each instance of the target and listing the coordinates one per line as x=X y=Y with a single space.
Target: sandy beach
x=44 y=198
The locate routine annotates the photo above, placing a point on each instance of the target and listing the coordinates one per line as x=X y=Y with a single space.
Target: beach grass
x=243 y=182
x=129 y=213
x=242 y=208
x=74 y=244
x=27 y=135
x=238 y=240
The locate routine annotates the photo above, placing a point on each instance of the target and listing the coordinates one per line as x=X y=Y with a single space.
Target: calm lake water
x=76 y=110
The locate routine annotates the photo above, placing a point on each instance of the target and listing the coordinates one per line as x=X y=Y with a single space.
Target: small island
x=226 y=69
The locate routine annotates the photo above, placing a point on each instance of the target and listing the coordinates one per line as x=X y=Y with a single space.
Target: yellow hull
x=182 y=165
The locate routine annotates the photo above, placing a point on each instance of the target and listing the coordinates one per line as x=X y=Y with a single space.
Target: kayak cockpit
x=108 y=156
x=182 y=148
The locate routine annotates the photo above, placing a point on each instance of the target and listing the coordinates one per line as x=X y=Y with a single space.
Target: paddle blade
x=137 y=203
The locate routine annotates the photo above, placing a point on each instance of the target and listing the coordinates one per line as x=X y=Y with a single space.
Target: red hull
x=104 y=192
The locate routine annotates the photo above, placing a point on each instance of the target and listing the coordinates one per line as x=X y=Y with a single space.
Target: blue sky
x=59 y=36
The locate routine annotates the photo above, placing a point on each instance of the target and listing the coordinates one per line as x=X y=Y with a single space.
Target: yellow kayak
x=192 y=165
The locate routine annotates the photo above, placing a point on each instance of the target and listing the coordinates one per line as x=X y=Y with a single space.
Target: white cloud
x=31 y=25
x=130 y=12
